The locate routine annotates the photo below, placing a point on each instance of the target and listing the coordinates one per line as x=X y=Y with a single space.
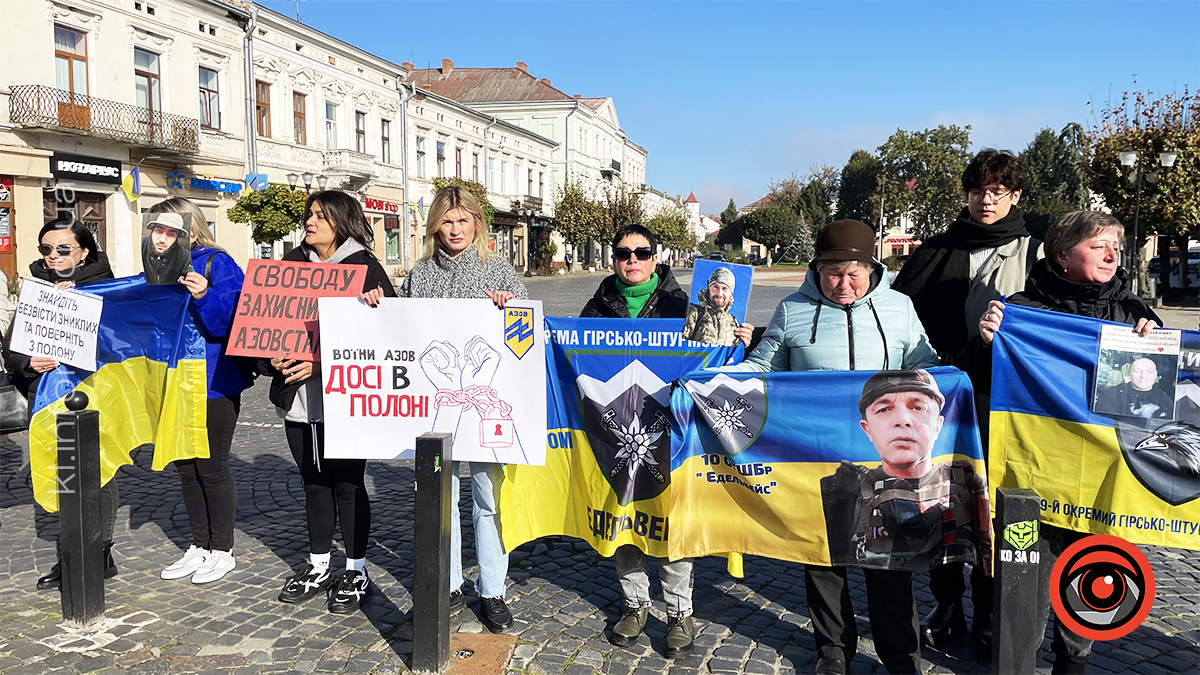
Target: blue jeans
x=493 y=561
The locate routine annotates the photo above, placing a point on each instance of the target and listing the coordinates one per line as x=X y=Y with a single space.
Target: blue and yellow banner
x=1133 y=477
x=149 y=385
x=607 y=478
x=850 y=468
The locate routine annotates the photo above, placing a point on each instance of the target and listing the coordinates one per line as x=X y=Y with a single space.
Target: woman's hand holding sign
x=196 y=284
x=296 y=371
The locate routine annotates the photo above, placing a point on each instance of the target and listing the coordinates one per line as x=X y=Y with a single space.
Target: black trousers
x=209 y=493
x=891 y=606
x=334 y=490
x=1071 y=651
x=947 y=586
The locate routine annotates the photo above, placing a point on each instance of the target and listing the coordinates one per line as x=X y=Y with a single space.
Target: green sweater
x=637 y=296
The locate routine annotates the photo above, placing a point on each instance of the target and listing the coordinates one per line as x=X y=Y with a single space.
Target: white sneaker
x=216 y=565
x=191 y=561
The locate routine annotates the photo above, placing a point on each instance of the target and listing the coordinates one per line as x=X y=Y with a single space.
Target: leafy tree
x=731 y=234
x=818 y=196
x=785 y=192
x=859 y=179
x=729 y=215
x=707 y=247
x=670 y=227
x=477 y=190
x=577 y=217
x=1170 y=204
x=776 y=225
x=1054 y=177
x=620 y=207
x=274 y=212
x=921 y=176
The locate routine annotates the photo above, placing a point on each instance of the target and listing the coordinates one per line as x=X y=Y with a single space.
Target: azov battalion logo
x=1102 y=587
x=628 y=424
x=735 y=410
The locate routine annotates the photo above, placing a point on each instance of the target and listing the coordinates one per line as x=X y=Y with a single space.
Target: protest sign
x=277 y=310
x=414 y=365
x=57 y=324
x=1120 y=470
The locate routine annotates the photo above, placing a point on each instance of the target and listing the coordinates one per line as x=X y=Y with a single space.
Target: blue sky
x=726 y=96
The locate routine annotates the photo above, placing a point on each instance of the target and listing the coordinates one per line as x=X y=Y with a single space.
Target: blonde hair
x=204 y=236
x=447 y=199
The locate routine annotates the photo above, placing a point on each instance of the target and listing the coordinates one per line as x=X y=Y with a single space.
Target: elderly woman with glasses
x=70 y=257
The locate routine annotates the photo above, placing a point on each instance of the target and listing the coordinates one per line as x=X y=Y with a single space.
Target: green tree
x=1054 y=177
x=620 y=207
x=818 y=196
x=729 y=215
x=1170 y=204
x=859 y=179
x=477 y=190
x=577 y=217
x=921 y=176
x=273 y=212
x=776 y=225
x=670 y=227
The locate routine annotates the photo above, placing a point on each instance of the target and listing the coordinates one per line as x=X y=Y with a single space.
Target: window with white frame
x=360 y=131
x=420 y=168
x=475 y=166
x=441 y=159
x=210 y=102
x=385 y=141
x=491 y=177
x=331 y=125
x=503 y=177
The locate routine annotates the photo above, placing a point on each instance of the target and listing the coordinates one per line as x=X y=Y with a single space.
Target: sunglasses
x=642 y=253
x=63 y=249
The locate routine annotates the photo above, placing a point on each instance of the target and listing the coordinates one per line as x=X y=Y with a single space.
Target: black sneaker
x=53 y=579
x=351 y=588
x=457 y=601
x=305 y=583
x=495 y=614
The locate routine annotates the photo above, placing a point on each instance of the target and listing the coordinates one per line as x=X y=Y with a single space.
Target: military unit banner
x=1091 y=424
x=607 y=478
x=862 y=469
x=415 y=365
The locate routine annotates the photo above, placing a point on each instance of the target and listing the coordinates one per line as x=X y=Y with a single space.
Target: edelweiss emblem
x=635 y=444
x=728 y=417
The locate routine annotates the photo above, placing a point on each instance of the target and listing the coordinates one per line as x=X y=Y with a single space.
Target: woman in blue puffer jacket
x=845 y=317
x=209 y=493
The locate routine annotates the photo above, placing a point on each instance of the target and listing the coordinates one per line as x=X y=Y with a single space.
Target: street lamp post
x=529 y=214
x=1134 y=173
x=293 y=179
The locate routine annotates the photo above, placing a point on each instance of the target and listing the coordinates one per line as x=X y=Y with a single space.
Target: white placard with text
x=411 y=365
x=57 y=324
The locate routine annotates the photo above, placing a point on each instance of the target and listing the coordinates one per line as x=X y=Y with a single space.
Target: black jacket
x=283 y=394
x=1111 y=301
x=668 y=301
x=23 y=377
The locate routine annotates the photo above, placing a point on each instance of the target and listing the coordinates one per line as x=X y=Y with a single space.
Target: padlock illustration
x=495 y=433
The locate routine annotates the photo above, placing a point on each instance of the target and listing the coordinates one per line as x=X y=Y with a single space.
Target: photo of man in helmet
x=909 y=513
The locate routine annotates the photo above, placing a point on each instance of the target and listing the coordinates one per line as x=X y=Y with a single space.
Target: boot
x=981 y=635
x=679 y=636
x=627 y=630
x=53 y=579
x=944 y=622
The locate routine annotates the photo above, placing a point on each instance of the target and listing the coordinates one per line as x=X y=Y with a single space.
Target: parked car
x=719 y=255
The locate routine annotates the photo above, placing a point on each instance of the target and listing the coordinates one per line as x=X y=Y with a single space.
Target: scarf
x=636 y=297
x=938 y=278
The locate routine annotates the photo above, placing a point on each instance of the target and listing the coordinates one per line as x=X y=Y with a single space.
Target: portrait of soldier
x=1141 y=396
x=708 y=319
x=908 y=514
x=166 y=247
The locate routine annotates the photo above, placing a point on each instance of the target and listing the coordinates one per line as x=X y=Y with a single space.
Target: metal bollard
x=431 y=569
x=1017 y=634
x=80 y=547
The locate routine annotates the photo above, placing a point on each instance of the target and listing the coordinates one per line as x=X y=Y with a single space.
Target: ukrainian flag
x=1095 y=473
x=150 y=384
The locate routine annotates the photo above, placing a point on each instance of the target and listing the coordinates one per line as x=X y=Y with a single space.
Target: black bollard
x=1016 y=633
x=80 y=547
x=431 y=570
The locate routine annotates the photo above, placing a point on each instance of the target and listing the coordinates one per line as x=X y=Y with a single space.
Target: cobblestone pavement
x=563 y=594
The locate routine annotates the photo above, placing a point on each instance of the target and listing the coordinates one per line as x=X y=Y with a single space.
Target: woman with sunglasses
x=209 y=493
x=642 y=288
x=70 y=257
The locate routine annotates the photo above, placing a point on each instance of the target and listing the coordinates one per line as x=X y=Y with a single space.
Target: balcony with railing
x=610 y=168
x=39 y=106
x=349 y=162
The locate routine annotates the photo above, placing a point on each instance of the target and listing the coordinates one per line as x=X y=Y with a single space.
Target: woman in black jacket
x=70 y=257
x=336 y=231
x=1080 y=275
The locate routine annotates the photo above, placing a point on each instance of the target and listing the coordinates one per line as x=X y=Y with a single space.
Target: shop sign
x=176 y=179
x=88 y=169
x=373 y=204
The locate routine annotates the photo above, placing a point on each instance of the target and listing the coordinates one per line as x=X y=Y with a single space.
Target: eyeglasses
x=63 y=249
x=642 y=253
x=976 y=195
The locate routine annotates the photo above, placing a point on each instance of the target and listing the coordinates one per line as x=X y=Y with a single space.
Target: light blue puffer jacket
x=811 y=332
